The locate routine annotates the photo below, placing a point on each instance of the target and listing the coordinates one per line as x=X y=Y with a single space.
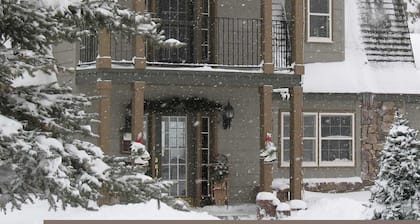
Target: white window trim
x=319 y=39
x=351 y=163
x=318 y=140
x=282 y=138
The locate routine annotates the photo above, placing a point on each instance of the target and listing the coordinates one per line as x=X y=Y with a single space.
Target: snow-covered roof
x=356 y=74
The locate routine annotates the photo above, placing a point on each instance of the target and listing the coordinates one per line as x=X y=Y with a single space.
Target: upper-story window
x=319 y=20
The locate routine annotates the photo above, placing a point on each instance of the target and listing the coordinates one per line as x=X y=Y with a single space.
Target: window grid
x=205 y=152
x=318 y=14
x=318 y=138
x=174 y=153
x=339 y=139
x=284 y=117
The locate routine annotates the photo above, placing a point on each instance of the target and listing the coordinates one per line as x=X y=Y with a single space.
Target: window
x=309 y=139
x=319 y=21
x=328 y=139
x=336 y=140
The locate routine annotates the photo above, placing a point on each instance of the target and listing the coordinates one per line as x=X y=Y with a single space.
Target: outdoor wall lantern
x=227 y=115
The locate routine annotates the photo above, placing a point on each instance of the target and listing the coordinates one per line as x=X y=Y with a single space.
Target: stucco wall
x=328 y=52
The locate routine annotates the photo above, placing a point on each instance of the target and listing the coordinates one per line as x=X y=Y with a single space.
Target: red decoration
x=268 y=137
x=139 y=138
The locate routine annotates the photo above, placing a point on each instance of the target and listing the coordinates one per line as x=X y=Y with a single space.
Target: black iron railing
x=233 y=42
x=88 y=49
x=282 y=45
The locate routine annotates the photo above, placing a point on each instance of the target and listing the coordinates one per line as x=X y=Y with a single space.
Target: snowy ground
x=321 y=206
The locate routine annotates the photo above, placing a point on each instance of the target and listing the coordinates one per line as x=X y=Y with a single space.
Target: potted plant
x=219 y=173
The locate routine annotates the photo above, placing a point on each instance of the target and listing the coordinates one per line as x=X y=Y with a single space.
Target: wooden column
x=139 y=46
x=298 y=36
x=104 y=89
x=104 y=49
x=296 y=104
x=198 y=160
x=137 y=109
x=266 y=43
x=266 y=126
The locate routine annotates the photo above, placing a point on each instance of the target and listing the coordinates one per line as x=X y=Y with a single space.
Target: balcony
x=224 y=43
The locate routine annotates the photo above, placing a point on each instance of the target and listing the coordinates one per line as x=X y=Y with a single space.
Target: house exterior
x=358 y=72
x=248 y=56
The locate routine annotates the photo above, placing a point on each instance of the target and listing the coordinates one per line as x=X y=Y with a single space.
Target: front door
x=174 y=153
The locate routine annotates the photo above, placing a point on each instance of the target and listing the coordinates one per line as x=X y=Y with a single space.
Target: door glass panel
x=175 y=153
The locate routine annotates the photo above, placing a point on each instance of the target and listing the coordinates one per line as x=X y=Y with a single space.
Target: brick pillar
x=139 y=46
x=266 y=126
x=266 y=43
x=104 y=89
x=104 y=49
x=296 y=104
x=298 y=35
x=137 y=109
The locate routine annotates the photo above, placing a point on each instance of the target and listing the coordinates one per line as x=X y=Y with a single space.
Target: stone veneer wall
x=376 y=120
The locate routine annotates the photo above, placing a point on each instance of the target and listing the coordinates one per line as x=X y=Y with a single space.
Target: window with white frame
x=336 y=139
x=310 y=130
x=319 y=20
x=328 y=139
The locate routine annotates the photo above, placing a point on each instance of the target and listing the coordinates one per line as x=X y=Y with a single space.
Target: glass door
x=174 y=153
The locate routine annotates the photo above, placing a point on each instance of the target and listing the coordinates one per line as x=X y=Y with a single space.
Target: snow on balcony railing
x=227 y=42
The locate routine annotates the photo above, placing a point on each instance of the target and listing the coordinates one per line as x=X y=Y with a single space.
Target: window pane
x=309 y=128
x=319 y=26
x=205 y=141
x=205 y=156
x=320 y=6
x=286 y=150
x=286 y=125
x=336 y=126
x=165 y=157
x=309 y=147
x=182 y=172
x=182 y=188
x=174 y=189
x=174 y=172
x=165 y=172
x=204 y=124
x=336 y=150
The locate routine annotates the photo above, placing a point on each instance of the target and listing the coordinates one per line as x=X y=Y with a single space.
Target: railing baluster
x=237 y=43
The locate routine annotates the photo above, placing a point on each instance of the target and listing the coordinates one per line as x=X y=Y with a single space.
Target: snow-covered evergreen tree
x=396 y=193
x=43 y=156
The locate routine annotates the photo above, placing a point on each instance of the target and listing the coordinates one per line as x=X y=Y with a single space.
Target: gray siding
x=329 y=52
x=345 y=103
